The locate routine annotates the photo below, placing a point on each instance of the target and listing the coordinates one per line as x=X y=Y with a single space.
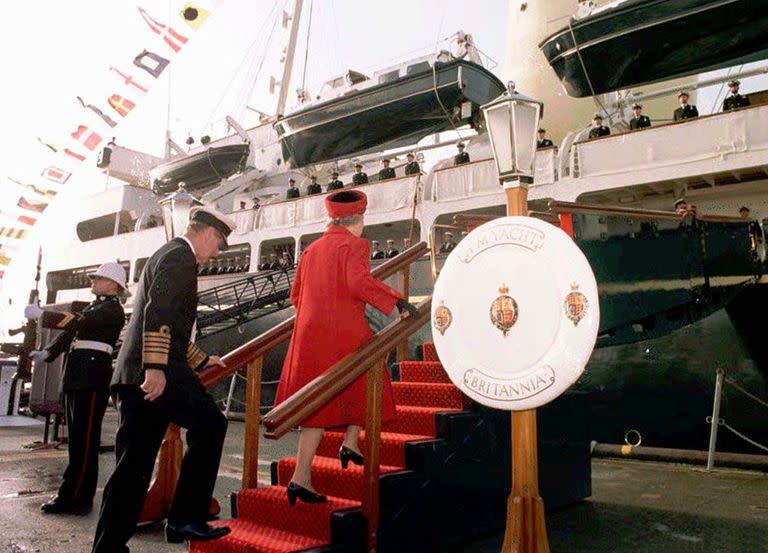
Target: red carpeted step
x=391 y=452
x=423 y=371
x=270 y=506
x=427 y=394
x=430 y=353
x=328 y=477
x=415 y=420
x=253 y=537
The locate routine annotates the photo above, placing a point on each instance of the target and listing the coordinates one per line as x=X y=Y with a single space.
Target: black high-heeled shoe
x=346 y=455
x=299 y=492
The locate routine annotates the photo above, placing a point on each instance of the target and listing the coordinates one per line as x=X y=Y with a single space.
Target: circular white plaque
x=515 y=313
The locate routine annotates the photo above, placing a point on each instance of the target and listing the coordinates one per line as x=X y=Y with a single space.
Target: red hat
x=345 y=203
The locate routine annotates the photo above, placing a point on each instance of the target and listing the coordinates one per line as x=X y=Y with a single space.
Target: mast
x=286 y=80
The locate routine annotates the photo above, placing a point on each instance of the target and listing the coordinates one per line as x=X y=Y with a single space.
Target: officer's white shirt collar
x=188 y=241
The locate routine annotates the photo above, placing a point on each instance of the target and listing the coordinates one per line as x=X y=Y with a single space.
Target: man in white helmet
x=88 y=339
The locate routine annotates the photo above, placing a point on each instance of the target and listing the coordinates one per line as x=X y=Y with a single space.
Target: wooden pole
x=526 y=528
x=373 y=403
x=403 y=286
x=252 y=421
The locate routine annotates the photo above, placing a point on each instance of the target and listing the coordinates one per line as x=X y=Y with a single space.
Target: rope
x=722 y=422
x=439 y=101
x=733 y=383
x=584 y=69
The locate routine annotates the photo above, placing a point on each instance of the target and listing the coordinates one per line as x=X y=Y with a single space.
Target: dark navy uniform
x=546 y=143
x=462 y=157
x=335 y=185
x=292 y=193
x=391 y=253
x=602 y=130
x=158 y=337
x=387 y=173
x=447 y=247
x=412 y=168
x=735 y=101
x=88 y=339
x=378 y=254
x=314 y=188
x=687 y=112
x=360 y=178
x=639 y=122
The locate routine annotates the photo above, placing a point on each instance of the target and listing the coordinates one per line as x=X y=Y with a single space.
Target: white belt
x=92 y=344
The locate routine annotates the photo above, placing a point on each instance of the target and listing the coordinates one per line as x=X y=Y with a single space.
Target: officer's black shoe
x=60 y=505
x=193 y=531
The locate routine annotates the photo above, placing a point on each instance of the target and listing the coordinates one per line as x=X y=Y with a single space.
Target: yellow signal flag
x=4 y=260
x=15 y=233
x=193 y=15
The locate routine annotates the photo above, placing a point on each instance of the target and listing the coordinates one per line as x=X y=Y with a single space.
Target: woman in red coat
x=333 y=283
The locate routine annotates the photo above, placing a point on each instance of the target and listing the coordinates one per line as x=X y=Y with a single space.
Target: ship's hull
x=642 y=41
x=387 y=115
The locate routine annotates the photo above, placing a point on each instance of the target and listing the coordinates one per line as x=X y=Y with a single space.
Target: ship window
x=237 y=259
x=417 y=68
x=272 y=251
x=98 y=227
x=126 y=221
x=75 y=278
x=338 y=82
x=389 y=77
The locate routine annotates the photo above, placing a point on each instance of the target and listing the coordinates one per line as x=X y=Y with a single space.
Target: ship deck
x=636 y=507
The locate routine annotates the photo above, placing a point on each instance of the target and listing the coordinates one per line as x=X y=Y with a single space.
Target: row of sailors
x=223 y=266
x=734 y=100
x=275 y=262
x=412 y=167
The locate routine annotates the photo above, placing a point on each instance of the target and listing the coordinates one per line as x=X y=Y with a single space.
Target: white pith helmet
x=112 y=271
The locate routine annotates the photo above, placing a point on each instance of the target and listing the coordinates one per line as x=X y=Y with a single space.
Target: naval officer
x=155 y=383
x=88 y=339
x=686 y=110
x=734 y=100
x=639 y=121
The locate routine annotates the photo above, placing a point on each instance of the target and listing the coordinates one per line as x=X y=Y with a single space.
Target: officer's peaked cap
x=683 y=93
x=733 y=82
x=213 y=218
x=679 y=201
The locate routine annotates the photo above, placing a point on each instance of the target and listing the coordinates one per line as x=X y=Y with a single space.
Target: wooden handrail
x=570 y=207
x=275 y=336
x=314 y=395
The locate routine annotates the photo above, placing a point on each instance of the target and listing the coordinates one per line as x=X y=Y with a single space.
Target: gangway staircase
x=237 y=302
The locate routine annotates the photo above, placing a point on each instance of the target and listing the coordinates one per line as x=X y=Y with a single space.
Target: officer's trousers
x=85 y=412
x=142 y=427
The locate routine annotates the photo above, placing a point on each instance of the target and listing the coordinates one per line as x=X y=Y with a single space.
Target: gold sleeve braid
x=156 y=346
x=196 y=357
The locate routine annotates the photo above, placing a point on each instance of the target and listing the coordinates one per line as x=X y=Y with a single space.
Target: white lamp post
x=176 y=208
x=512 y=120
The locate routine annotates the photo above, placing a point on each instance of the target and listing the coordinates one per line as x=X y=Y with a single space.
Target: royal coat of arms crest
x=442 y=318
x=504 y=310
x=576 y=305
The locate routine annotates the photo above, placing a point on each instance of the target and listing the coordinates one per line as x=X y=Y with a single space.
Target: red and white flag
x=56 y=175
x=172 y=38
x=38 y=207
x=88 y=138
x=26 y=220
x=121 y=105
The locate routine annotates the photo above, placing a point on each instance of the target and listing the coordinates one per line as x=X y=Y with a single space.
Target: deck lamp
x=512 y=121
x=176 y=207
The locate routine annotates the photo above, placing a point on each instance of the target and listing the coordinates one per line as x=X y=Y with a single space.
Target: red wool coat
x=333 y=283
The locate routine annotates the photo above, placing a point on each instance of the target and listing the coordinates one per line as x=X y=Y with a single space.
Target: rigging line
x=440 y=27
x=306 y=48
x=439 y=101
x=584 y=69
x=245 y=56
x=249 y=90
x=335 y=22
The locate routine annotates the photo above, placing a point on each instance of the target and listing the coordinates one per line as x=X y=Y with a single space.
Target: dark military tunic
x=546 y=143
x=639 y=122
x=687 y=112
x=387 y=173
x=292 y=193
x=390 y=253
x=412 y=168
x=314 y=189
x=87 y=372
x=360 y=178
x=735 y=101
x=158 y=337
x=463 y=157
x=378 y=254
x=602 y=130
x=335 y=185
x=447 y=247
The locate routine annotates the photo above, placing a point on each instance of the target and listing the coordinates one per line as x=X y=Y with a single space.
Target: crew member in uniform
x=386 y=172
x=685 y=111
x=292 y=191
x=89 y=337
x=542 y=141
x=462 y=156
x=359 y=177
x=314 y=186
x=448 y=243
x=598 y=129
x=376 y=253
x=155 y=383
x=390 y=251
x=639 y=121
x=734 y=100
x=412 y=167
x=335 y=183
